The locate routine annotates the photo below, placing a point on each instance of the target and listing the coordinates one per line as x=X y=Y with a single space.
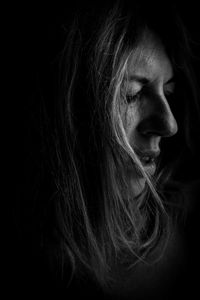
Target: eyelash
x=136 y=97
x=133 y=98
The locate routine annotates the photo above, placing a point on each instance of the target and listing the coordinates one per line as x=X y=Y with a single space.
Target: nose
x=159 y=121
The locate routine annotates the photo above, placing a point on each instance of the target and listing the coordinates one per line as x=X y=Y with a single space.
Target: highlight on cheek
x=131 y=118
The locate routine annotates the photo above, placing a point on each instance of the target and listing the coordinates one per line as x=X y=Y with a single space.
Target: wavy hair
x=97 y=222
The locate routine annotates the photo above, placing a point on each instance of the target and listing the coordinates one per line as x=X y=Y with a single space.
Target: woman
x=111 y=222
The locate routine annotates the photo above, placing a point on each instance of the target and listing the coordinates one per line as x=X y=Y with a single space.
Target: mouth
x=148 y=159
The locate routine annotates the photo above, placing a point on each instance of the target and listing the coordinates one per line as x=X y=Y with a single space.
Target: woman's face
x=146 y=114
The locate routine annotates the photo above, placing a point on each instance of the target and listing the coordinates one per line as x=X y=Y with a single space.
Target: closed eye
x=170 y=88
x=169 y=93
x=133 y=98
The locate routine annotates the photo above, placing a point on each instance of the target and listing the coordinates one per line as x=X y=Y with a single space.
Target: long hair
x=96 y=221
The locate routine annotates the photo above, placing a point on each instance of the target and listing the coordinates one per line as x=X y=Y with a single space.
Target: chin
x=138 y=186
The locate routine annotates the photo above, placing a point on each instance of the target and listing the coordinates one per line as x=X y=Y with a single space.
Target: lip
x=148 y=159
x=151 y=153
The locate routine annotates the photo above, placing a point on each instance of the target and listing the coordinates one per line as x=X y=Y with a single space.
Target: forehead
x=150 y=60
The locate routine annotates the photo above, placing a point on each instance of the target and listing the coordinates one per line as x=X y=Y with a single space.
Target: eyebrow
x=140 y=79
x=143 y=80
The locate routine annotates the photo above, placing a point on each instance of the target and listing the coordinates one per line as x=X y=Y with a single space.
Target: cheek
x=131 y=117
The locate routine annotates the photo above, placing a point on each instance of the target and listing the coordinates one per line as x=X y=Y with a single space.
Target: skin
x=146 y=113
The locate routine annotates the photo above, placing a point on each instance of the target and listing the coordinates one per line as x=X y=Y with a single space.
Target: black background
x=38 y=36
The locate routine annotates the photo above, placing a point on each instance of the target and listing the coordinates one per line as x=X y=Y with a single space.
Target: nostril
x=158 y=126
